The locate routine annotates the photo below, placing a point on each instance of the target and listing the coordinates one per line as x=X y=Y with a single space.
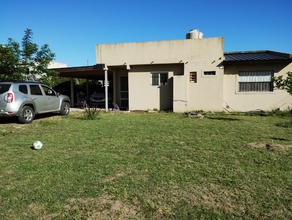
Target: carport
x=86 y=72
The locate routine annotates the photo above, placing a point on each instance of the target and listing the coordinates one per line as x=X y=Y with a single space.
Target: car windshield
x=4 y=88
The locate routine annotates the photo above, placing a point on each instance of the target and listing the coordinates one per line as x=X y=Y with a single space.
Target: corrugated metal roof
x=265 y=55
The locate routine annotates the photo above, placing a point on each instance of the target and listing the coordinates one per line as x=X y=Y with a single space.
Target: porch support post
x=72 y=92
x=106 y=88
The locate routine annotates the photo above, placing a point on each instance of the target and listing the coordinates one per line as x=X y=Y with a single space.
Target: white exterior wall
x=55 y=64
x=246 y=101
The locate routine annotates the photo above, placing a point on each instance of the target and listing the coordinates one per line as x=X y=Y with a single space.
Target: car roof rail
x=18 y=81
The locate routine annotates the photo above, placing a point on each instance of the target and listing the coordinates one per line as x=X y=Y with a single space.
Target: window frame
x=47 y=91
x=193 y=77
x=254 y=82
x=209 y=73
x=160 y=79
x=23 y=89
x=33 y=91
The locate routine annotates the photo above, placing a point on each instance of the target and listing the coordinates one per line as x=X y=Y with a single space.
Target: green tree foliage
x=26 y=62
x=9 y=60
x=285 y=84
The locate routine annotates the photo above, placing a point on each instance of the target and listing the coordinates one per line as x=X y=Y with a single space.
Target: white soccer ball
x=37 y=145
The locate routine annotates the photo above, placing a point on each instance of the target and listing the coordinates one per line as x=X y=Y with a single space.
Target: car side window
x=23 y=89
x=48 y=91
x=35 y=90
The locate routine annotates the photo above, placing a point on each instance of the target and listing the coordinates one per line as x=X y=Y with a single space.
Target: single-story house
x=187 y=75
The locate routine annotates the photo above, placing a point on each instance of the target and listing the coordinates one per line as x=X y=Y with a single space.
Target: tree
x=27 y=62
x=9 y=60
x=285 y=84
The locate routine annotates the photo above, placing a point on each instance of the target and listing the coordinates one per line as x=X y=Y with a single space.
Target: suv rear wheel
x=26 y=115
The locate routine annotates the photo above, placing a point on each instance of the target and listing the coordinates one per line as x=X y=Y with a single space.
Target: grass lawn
x=147 y=166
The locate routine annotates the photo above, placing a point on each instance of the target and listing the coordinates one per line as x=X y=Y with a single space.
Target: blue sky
x=72 y=28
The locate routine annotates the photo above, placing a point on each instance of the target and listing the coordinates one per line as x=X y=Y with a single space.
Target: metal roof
x=262 y=55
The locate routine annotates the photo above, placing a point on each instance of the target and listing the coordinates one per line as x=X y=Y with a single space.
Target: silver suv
x=25 y=99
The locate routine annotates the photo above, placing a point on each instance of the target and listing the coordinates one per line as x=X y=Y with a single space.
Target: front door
x=124 y=100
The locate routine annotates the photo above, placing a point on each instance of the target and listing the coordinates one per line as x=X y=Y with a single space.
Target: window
x=4 y=88
x=193 y=77
x=48 y=91
x=22 y=89
x=255 y=81
x=210 y=73
x=159 y=79
x=35 y=90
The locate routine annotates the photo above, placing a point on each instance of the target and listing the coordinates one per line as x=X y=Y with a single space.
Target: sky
x=72 y=28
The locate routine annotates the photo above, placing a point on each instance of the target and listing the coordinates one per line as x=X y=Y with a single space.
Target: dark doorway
x=124 y=93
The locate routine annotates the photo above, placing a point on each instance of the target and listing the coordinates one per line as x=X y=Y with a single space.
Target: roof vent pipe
x=194 y=34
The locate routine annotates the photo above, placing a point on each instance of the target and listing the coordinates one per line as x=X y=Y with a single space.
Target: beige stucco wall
x=156 y=52
x=207 y=93
x=144 y=96
x=242 y=101
x=178 y=58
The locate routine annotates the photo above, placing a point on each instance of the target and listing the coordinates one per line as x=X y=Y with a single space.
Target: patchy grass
x=147 y=166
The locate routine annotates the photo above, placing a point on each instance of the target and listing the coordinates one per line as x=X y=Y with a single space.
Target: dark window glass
x=4 y=88
x=23 y=89
x=193 y=77
x=255 y=81
x=35 y=90
x=210 y=73
x=159 y=79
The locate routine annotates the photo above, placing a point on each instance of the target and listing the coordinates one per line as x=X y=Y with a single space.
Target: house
x=248 y=82
x=187 y=75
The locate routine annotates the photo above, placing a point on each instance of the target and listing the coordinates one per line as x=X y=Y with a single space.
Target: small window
x=193 y=77
x=255 y=81
x=35 y=90
x=210 y=73
x=159 y=79
x=23 y=89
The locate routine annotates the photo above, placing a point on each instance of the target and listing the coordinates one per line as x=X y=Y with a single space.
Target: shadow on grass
x=8 y=120
x=14 y=120
x=286 y=124
x=223 y=118
x=279 y=139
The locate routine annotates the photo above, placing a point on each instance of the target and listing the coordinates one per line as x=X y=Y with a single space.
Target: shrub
x=91 y=113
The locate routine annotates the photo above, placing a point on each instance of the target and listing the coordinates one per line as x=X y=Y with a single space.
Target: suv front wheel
x=26 y=115
x=65 y=108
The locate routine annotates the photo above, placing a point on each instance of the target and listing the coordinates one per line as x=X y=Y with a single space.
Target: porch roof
x=84 y=72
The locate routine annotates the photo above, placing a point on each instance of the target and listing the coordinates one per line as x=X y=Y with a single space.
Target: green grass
x=147 y=166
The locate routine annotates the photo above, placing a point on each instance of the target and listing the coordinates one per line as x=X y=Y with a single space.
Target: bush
x=91 y=113
x=278 y=112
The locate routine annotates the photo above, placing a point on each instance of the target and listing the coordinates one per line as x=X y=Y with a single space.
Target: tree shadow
x=8 y=120
x=13 y=120
x=279 y=139
x=223 y=118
